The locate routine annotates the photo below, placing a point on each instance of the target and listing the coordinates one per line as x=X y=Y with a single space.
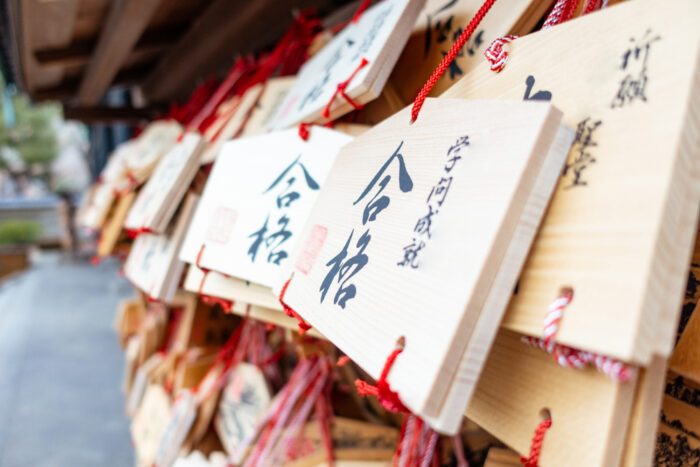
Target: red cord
x=591 y=6
x=536 y=445
x=303 y=325
x=361 y=9
x=389 y=399
x=340 y=89
x=445 y=63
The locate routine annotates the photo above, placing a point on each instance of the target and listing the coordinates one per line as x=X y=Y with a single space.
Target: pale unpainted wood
x=590 y=412
x=623 y=240
x=686 y=357
x=271 y=97
x=386 y=43
x=250 y=299
x=233 y=124
x=155 y=141
x=160 y=197
x=113 y=226
x=126 y=21
x=503 y=284
x=446 y=19
x=153 y=264
x=641 y=433
x=442 y=306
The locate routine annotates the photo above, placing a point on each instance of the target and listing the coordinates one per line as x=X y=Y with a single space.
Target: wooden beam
x=126 y=22
x=224 y=29
x=107 y=115
x=69 y=87
x=79 y=53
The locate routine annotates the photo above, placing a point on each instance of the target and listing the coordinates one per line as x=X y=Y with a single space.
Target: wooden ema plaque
x=155 y=141
x=152 y=264
x=274 y=92
x=256 y=201
x=112 y=180
x=589 y=411
x=249 y=299
x=440 y=23
x=420 y=233
x=377 y=37
x=113 y=226
x=686 y=357
x=353 y=440
x=161 y=195
x=621 y=224
x=232 y=125
x=149 y=424
x=243 y=400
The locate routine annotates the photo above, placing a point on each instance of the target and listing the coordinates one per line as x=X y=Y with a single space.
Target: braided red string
x=536 y=445
x=389 y=399
x=445 y=63
x=303 y=325
x=340 y=89
x=568 y=356
x=591 y=6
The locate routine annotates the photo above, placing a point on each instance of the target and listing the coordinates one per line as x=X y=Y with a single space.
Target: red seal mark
x=221 y=225
x=313 y=245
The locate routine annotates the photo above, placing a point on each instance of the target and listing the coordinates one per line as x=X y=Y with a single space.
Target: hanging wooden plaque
x=420 y=234
x=155 y=141
x=622 y=221
x=270 y=99
x=440 y=23
x=589 y=411
x=256 y=201
x=153 y=265
x=161 y=195
x=233 y=124
x=377 y=37
x=243 y=399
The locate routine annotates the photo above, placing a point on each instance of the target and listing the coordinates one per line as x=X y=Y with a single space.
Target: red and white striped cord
x=568 y=356
x=558 y=13
x=496 y=53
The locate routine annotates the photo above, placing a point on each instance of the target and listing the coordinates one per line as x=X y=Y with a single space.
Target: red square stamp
x=221 y=225
x=313 y=245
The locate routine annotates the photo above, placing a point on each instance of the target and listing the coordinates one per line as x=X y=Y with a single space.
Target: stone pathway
x=60 y=367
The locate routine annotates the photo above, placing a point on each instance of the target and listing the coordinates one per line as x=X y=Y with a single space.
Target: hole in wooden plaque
x=545 y=414
x=401 y=343
x=566 y=290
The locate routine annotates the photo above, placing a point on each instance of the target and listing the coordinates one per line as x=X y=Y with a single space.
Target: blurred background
x=78 y=77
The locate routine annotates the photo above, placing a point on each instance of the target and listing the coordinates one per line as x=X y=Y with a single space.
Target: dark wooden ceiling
x=75 y=50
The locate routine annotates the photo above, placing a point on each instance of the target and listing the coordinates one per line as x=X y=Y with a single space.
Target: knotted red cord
x=496 y=53
x=210 y=300
x=304 y=128
x=133 y=233
x=340 y=89
x=389 y=399
x=536 y=445
x=445 y=63
x=303 y=325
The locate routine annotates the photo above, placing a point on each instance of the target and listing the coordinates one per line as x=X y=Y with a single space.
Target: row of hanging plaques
x=449 y=231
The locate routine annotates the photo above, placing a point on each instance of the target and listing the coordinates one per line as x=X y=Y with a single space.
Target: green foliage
x=33 y=134
x=17 y=231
